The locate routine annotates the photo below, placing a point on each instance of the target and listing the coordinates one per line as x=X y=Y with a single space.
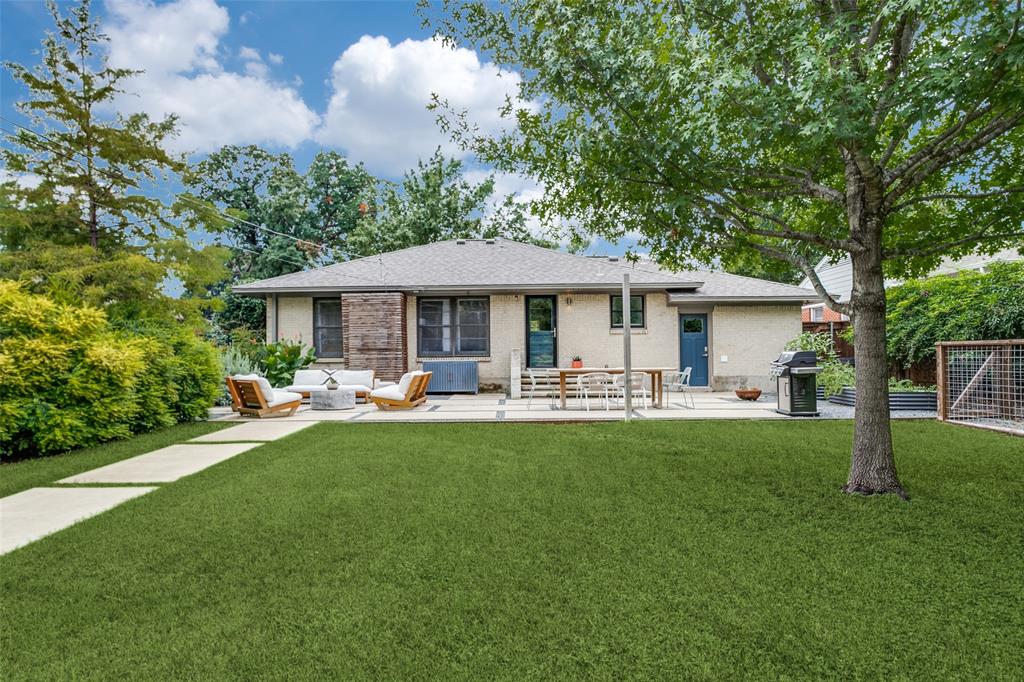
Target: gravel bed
x=832 y=411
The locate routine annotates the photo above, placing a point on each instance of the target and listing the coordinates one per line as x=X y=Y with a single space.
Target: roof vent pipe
x=460 y=241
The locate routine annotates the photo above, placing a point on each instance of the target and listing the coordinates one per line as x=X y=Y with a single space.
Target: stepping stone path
x=164 y=465
x=31 y=514
x=35 y=513
x=258 y=431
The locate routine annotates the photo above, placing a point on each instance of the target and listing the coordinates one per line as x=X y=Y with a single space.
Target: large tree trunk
x=872 y=465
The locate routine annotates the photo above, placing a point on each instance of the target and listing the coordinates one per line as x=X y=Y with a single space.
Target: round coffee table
x=332 y=399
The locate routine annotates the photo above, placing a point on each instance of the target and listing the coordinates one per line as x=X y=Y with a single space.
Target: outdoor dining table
x=655 y=372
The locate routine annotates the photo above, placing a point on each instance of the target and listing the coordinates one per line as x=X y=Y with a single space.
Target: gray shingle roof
x=503 y=265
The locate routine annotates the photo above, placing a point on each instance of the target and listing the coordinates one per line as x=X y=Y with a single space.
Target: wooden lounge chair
x=410 y=392
x=247 y=398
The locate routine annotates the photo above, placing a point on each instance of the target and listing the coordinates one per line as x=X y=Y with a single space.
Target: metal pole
x=627 y=360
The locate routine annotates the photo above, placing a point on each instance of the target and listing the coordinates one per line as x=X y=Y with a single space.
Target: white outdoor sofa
x=360 y=381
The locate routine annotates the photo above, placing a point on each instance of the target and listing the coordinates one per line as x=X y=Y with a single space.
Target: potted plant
x=577 y=361
x=744 y=393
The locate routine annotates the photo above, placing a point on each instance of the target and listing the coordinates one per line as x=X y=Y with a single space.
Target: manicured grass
x=687 y=550
x=41 y=471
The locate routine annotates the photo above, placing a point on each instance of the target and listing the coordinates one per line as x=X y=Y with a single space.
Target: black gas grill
x=795 y=373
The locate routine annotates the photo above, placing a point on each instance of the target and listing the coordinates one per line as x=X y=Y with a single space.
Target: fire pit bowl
x=748 y=393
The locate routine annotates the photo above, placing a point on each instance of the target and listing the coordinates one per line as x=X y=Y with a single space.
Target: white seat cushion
x=388 y=392
x=358 y=388
x=351 y=377
x=281 y=397
x=304 y=388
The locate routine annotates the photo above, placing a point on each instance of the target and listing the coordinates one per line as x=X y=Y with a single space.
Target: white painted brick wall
x=295 y=318
x=751 y=337
x=584 y=329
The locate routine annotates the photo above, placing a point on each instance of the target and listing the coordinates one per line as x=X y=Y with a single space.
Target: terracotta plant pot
x=577 y=364
x=748 y=393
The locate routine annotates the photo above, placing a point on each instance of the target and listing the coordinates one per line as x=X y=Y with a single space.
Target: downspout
x=273 y=319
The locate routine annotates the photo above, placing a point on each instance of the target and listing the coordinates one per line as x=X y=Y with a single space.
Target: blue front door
x=693 y=347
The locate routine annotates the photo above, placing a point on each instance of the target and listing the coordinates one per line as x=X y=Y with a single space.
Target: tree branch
x=939 y=159
x=981 y=235
x=934 y=197
x=805 y=267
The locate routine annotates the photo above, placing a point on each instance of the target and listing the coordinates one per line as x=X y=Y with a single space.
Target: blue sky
x=292 y=76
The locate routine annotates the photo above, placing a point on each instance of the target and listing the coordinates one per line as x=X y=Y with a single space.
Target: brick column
x=374 y=334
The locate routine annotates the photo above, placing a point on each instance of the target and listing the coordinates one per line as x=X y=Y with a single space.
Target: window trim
x=643 y=312
x=453 y=307
x=316 y=326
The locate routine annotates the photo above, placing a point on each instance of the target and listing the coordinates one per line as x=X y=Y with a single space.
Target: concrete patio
x=495 y=407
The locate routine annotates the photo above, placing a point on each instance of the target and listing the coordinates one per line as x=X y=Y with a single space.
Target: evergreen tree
x=91 y=167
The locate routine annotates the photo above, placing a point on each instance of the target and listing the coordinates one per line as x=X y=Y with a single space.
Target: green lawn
x=686 y=550
x=41 y=471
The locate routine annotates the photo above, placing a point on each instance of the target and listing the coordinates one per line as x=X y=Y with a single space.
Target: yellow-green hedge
x=68 y=380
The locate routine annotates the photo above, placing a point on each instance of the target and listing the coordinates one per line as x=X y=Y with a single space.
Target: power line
x=195 y=202
x=123 y=178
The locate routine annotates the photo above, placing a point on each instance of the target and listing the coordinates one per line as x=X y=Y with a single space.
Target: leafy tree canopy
x=87 y=232
x=435 y=202
x=885 y=130
x=281 y=220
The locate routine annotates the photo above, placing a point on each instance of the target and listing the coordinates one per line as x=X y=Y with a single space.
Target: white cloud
x=25 y=180
x=249 y=53
x=275 y=59
x=178 y=44
x=378 y=113
x=522 y=189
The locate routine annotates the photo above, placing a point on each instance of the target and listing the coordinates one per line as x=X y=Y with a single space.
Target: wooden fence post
x=940 y=382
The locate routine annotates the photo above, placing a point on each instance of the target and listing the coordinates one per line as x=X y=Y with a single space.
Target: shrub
x=284 y=358
x=233 y=360
x=67 y=379
x=969 y=305
x=819 y=342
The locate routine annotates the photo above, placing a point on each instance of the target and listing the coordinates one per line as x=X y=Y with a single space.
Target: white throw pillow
x=351 y=376
x=309 y=377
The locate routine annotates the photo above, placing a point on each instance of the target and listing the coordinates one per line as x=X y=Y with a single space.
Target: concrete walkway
x=262 y=431
x=35 y=513
x=165 y=465
x=32 y=514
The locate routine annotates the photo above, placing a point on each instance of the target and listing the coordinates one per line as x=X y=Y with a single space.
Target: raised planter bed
x=898 y=400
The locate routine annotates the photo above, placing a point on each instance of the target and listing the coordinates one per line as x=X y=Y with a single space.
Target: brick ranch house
x=494 y=301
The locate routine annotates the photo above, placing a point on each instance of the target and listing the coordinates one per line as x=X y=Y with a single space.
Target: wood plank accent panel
x=374 y=333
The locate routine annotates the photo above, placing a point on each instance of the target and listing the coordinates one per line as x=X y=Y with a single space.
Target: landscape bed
x=707 y=550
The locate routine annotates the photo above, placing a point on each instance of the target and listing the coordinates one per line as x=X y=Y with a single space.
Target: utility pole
x=627 y=359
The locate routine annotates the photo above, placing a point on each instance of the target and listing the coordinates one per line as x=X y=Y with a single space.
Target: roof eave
x=248 y=290
x=697 y=298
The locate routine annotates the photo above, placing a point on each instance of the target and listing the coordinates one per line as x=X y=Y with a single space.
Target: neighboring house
x=837 y=278
x=490 y=301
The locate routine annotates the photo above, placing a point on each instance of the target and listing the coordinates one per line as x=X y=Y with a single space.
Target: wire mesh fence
x=981 y=383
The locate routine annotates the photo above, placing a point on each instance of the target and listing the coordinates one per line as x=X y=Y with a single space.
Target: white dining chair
x=535 y=376
x=635 y=384
x=593 y=384
x=680 y=383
